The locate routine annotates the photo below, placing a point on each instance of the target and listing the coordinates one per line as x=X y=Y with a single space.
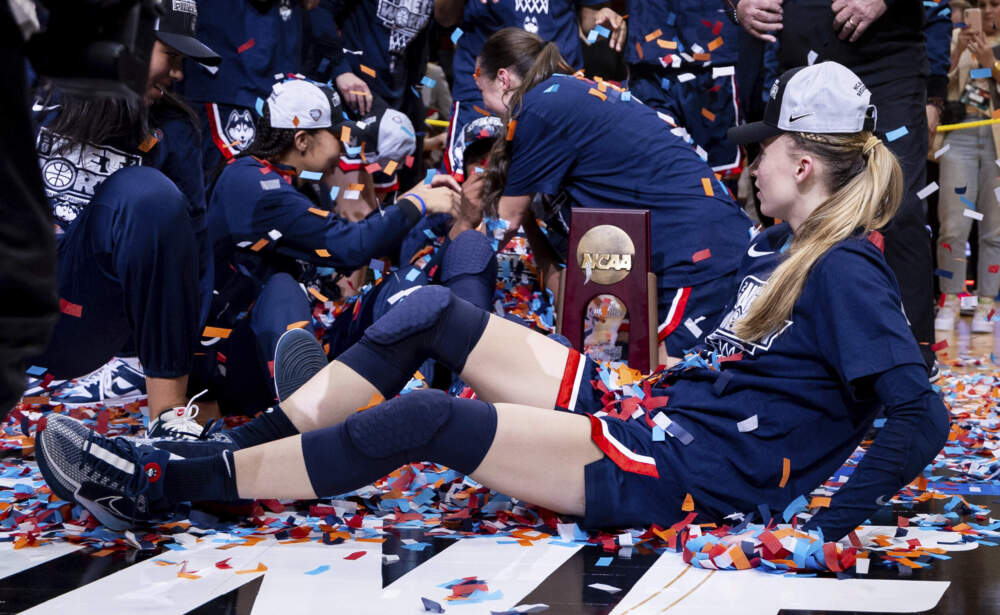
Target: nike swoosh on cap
x=754 y=253
x=792 y=118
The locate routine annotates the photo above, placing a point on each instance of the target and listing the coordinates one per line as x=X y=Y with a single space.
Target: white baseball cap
x=303 y=104
x=823 y=98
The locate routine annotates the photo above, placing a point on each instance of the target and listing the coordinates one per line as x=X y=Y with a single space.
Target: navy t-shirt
x=622 y=154
x=798 y=393
x=260 y=224
x=553 y=20
x=383 y=36
x=686 y=27
x=253 y=45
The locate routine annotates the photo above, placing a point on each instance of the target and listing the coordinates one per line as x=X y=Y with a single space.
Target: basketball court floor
x=425 y=546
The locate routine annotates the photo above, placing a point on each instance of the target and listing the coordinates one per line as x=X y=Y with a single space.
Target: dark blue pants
x=128 y=276
x=239 y=370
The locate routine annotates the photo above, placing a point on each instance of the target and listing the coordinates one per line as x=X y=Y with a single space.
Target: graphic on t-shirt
x=240 y=129
x=73 y=172
x=724 y=341
x=531 y=6
x=285 y=10
x=404 y=19
x=531 y=24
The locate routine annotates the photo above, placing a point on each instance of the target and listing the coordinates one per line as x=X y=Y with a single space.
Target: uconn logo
x=725 y=342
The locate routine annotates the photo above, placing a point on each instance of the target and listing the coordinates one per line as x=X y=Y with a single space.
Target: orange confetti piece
x=819 y=501
x=260 y=568
x=322 y=213
x=323 y=252
x=297 y=325
x=701 y=57
x=511 y=127
x=655 y=34
x=358 y=187
x=715 y=44
x=739 y=558
x=688 y=505
x=189 y=576
x=345 y=133
x=148 y=143
x=708 y=115
x=257 y=247
x=597 y=93
x=666 y=44
x=638 y=49
x=375 y=400
x=367 y=70
x=390 y=168
x=377 y=540
x=706 y=183
x=216 y=332
x=786 y=470
x=481 y=111
x=315 y=293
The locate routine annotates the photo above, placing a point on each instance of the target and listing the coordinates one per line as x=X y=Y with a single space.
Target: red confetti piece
x=356 y=555
x=701 y=255
x=70 y=309
x=247 y=45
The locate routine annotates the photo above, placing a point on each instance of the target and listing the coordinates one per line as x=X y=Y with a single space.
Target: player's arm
x=448 y=13
x=603 y=15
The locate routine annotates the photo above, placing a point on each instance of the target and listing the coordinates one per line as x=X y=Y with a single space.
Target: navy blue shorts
x=631 y=485
x=689 y=313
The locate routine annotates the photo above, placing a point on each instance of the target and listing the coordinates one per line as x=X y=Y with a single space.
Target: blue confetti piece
x=981 y=73
x=592 y=37
x=796 y=506
x=259 y=106
x=323 y=65
x=671 y=19
x=900 y=132
x=377 y=265
x=352 y=151
x=604 y=561
x=665 y=84
x=551 y=89
x=417 y=546
x=658 y=434
x=430 y=175
x=944 y=273
x=427 y=82
x=878 y=423
x=457 y=34
x=967 y=202
x=602 y=31
x=36 y=371
x=318 y=570
x=412 y=274
x=626 y=95
x=429 y=605
x=334 y=192
x=310 y=175
x=408 y=131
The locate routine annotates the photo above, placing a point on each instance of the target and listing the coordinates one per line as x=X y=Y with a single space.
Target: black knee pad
x=417 y=312
x=469 y=268
x=400 y=424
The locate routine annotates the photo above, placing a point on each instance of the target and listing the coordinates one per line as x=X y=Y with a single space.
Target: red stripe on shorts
x=568 y=380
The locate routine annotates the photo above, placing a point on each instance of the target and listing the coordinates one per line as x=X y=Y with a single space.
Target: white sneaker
x=177 y=423
x=981 y=319
x=945 y=319
x=116 y=383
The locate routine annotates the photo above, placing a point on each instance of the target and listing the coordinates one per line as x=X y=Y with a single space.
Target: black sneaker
x=118 y=481
x=297 y=358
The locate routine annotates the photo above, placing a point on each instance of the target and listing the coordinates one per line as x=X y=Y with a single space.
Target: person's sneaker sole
x=114 y=402
x=297 y=358
x=59 y=448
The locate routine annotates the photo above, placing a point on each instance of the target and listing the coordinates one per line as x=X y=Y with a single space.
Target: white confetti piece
x=270 y=184
x=685 y=77
x=861 y=565
x=746 y=425
x=693 y=327
x=352 y=194
x=611 y=589
x=723 y=71
x=811 y=57
x=927 y=190
x=942 y=151
x=970 y=213
x=274 y=234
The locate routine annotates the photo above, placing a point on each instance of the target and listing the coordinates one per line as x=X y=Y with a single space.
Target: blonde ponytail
x=533 y=61
x=866 y=184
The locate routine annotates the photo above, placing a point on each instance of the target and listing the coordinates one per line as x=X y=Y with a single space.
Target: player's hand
x=310 y=4
x=355 y=92
x=933 y=119
x=852 y=17
x=760 y=17
x=613 y=21
x=440 y=199
x=964 y=39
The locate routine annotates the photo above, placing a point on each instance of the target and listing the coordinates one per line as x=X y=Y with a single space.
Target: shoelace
x=102 y=376
x=135 y=485
x=185 y=423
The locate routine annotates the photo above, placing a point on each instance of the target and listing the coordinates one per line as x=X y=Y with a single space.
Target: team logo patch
x=285 y=10
x=725 y=342
x=315 y=114
x=152 y=471
x=531 y=24
x=240 y=130
x=185 y=6
x=72 y=172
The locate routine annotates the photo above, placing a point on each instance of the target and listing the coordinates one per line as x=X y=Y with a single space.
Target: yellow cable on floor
x=964 y=125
